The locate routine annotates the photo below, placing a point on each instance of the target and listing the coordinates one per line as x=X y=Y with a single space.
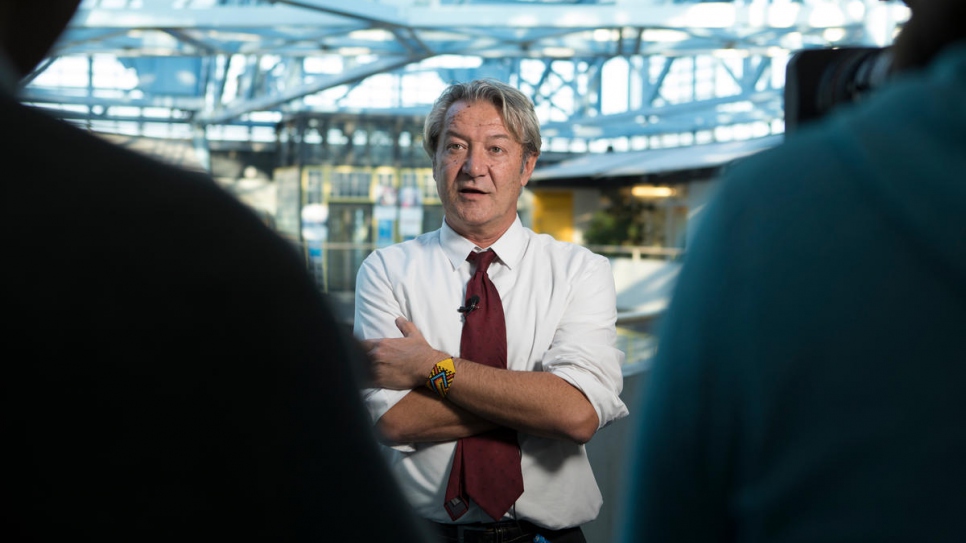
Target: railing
x=636 y=339
x=335 y=264
x=636 y=252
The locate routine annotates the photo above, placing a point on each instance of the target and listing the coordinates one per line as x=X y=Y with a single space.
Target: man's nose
x=474 y=165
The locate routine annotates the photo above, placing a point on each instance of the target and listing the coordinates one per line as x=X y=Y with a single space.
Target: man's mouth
x=470 y=190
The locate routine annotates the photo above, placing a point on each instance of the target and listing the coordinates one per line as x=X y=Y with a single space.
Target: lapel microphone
x=471 y=304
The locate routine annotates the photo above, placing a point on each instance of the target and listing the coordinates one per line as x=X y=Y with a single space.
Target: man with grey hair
x=492 y=348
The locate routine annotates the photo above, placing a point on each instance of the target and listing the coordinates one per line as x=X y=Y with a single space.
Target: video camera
x=818 y=80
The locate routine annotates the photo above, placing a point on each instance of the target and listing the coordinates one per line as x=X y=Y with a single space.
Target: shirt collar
x=509 y=248
x=9 y=79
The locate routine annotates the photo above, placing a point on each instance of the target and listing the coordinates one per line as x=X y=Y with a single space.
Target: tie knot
x=481 y=259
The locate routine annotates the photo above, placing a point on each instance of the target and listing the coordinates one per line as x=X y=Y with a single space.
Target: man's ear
x=526 y=169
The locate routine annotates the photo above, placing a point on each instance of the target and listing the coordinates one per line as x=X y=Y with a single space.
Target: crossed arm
x=481 y=397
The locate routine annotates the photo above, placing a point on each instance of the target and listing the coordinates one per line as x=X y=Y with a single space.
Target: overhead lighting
x=834 y=34
x=651 y=191
x=826 y=15
x=371 y=34
x=663 y=35
x=792 y=41
x=558 y=52
x=775 y=51
x=603 y=35
x=856 y=10
x=353 y=51
x=730 y=52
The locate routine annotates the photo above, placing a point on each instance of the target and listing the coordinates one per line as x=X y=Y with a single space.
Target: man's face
x=479 y=171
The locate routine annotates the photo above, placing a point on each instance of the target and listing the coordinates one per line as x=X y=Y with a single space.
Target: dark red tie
x=486 y=468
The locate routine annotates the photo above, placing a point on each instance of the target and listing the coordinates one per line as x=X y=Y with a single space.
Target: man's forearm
x=421 y=417
x=482 y=398
x=533 y=402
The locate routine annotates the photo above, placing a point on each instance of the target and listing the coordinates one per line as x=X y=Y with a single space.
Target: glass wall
x=349 y=184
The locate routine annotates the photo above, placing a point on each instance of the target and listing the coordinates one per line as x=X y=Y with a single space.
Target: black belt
x=497 y=532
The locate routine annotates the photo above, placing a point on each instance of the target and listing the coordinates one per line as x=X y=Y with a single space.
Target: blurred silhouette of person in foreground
x=809 y=384
x=170 y=371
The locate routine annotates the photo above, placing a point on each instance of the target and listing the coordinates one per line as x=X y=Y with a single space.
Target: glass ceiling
x=603 y=73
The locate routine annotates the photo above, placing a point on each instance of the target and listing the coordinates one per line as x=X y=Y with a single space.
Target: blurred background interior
x=310 y=112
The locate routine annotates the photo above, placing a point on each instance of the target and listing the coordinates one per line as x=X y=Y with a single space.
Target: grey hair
x=517 y=112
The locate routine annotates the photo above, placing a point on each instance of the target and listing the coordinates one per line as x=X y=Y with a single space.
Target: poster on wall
x=385 y=214
x=288 y=204
x=315 y=232
x=385 y=217
x=410 y=222
x=410 y=212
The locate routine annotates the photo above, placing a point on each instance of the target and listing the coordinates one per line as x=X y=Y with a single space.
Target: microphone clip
x=471 y=304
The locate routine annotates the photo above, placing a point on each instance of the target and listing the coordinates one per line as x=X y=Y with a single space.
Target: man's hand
x=401 y=363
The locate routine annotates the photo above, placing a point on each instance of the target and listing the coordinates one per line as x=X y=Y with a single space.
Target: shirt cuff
x=605 y=400
x=378 y=401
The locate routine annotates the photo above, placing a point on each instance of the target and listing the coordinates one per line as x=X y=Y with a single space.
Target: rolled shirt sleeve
x=584 y=351
x=376 y=309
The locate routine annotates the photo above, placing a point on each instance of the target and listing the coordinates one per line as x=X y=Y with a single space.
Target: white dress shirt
x=561 y=313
